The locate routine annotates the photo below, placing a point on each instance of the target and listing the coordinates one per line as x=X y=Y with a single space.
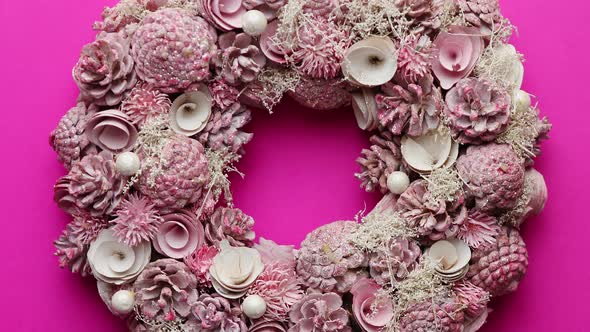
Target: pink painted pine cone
x=481 y=13
x=327 y=261
x=319 y=313
x=428 y=316
x=238 y=59
x=393 y=263
x=499 y=268
x=181 y=180
x=214 y=313
x=377 y=162
x=433 y=219
x=320 y=94
x=93 y=184
x=423 y=14
x=494 y=176
x=411 y=109
x=232 y=225
x=104 y=73
x=68 y=139
x=166 y=288
x=172 y=49
x=224 y=129
x=413 y=60
x=477 y=112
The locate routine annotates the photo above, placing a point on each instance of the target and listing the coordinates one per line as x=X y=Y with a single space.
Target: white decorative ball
x=123 y=301
x=523 y=100
x=128 y=163
x=254 y=306
x=398 y=182
x=254 y=22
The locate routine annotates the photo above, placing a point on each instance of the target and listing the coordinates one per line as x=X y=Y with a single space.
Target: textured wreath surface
x=166 y=89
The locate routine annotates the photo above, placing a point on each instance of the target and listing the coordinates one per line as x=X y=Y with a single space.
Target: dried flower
x=136 y=221
x=393 y=262
x=200 y=261
x=280 y=289
x=472 y=297
x=114 y=262
x=234 y=270
x=224 y=129
x=456 y=53
x=479 y=229
x=413 y=60
x=225 y=16
x=180 y=234
x=373 y=311
x=223 y=94
x=271 y=252
x=145 y=102
x=104 y=71
x=111 y=130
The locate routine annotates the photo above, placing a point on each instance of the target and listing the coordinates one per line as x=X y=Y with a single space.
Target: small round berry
x=128 y=163
x=254 y=306
x=398 y=182
x=523 y=100
x=254 y=22
x=123 y=301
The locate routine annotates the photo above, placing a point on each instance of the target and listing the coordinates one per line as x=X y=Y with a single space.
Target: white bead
x=128 y=163
x=254 y=22
x=123 y=301
x=523 y=100
x=398 y=182
x=254 y=306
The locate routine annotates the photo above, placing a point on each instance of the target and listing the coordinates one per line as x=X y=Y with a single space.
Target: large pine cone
x=476 y=111
x=166 y=288
x=377 y=162
x=434 y=219
x=494 y=175
x=93 y=184
x=499 y=268
x=224 y=129
x=327 y=261
x=105 y=72
x=181 y=179
x=429 y=316
x=481 y=13
x=232 y=225
x=393 y=263
x=68 y=139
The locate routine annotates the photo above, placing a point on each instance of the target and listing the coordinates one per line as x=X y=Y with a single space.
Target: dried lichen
x=378 y=228
x=522 y=132
x=445 y=184
x=151 y=141
x=220 y=163
x=271 y=84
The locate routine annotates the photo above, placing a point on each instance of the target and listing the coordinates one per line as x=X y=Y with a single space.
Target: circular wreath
x=165 y=91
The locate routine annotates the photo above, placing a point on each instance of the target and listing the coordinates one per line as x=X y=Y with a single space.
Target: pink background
x=299 y=169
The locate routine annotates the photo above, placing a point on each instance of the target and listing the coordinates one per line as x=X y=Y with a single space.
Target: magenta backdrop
x=298 y=169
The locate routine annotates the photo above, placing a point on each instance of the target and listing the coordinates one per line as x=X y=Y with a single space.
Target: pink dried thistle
x=280 y=289
x=320 y=49
x=145 y=102
x=413 y=61
x=479 y=229
x=200 y=261
x=137 y=220
x=472 y=297
x=84 y=228
x=224 y=95
x=411 y=109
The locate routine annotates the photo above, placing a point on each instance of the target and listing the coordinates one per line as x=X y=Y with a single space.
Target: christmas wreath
x=165 y=91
